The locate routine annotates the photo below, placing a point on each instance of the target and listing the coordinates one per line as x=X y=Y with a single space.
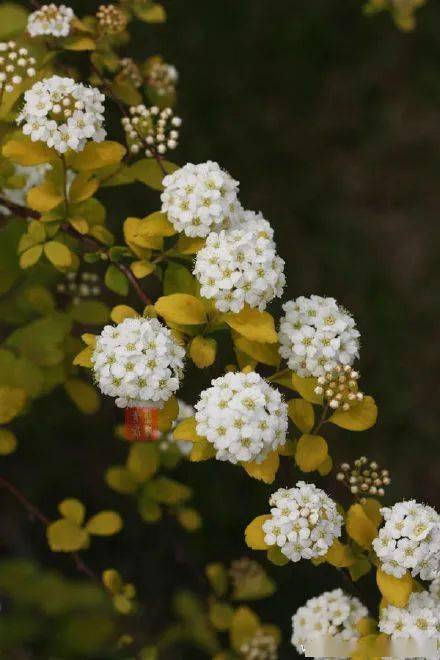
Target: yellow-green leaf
x=189 y=518
x=181 y=308
x=275 y=556
x=189 y=245
x=339 y=555
x=254 y=535
x=121 y=480
x=202 y=451
x=142 y=268
x=12 y=402
x=359 y=526
x=58 y=254
x=326 y=466
x=8 y=442
x=372 y=508
x=105 y=523
x=167 y=414
x=186 y=431
x=266 y=470
x=83 y=395
x=311 y=451
x=143 y=461
x=66 y=536
x=112 y=580
x=220 y=615
x=26 y=152
x=96 y=155
x=264 y=353
x=44 y=198
x=84 y=358
x=302 y=415
x=395 y=590
x=31 y=256
x=360 y=417
x=83 y=186
x=254 y=325
x=78 y=43
x=79 y=224
x=244 y=625
x=156 y=224
x=121 y=312
x=202 y=351
x=306 y=388
x=148 y=171
x=72 y=509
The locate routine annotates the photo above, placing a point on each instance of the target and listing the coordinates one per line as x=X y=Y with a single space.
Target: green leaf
x=66 y=536
x=116 y=281
x=150 y=13
x=178 y=279
x=149 y=510
x=168 y=491
x=143 y=461
x=8 y=442
x=90 y=312
x=83 y=395
x=105 y=523
x=12 y=402
x=148 y=171
x=121 y=480
x=13 y=19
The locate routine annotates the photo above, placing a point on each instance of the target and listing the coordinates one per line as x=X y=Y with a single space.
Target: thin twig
x=90 y=243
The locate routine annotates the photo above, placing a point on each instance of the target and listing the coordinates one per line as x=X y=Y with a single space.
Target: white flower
x=304 y=522
x=161 y=76
x=241 y=266
x=15 y=65
x=332 y=614
x=409 y=540
x=200 y=198
x=261 y=646
x=316 y=335
x=63 y=113
x=418 y=620
x=151 y=129
x=138 y=362
x=51 y=20
x=243 y=417
x=166 y=441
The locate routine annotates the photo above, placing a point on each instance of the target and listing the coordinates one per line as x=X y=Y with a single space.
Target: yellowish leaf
x=186 y=431
x=72 y=509
x=12 y=402
x=79 y=224
x=44 y=198
x=372 y=508
x=26 y=152
x=264 y=353
x=253 y=324
x=78 y=43
x=121 y=312
x=58 y=254
x=306 y=388
x=254 y=535
x=156 y=224
x=359 y=526
x=167 y=414
x=372 y=647
x=302 y=415
x=31 y=256
x=142 y=268
x=202 y=351
x=244 y=625
x=181 y=308
x=189 y=245
x=360 y=417
x=143 y=461
x=395 y=590
x=8 y=442
x=121 y=480
x=84 y=358
x=265 y=471
x=202 y=451
x=83 y=186
x=105 y=523
x=339 y=555
x=311 y=451
x=66 y=536
x=366 y=626
x=83 y=395
x=326 y=466
x=96 y=155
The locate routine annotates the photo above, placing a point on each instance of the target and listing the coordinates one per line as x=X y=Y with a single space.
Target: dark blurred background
x=331 y=121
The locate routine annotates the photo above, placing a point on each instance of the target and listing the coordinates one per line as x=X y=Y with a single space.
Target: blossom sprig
x=111 y=19
x=15 y=65
x=151 y=129
x=161 y=76
x=364 y=477
x=51 y=20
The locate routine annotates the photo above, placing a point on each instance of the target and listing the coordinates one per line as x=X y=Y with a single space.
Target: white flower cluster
x=111 y=19
x=316 y=335
x=158 y=129
x=409 y=540
x=24 y=178
x=130 y=71
x=241 y=266
x=261 y=646
x=332 y=614
x=15 y=65
x=167 y=440
x=200 y=198
x=419 y=620
x=242 y=416
x=63 y=113
x=138 y=362
x=161 y=76
x=304 y=522
x=50 y=20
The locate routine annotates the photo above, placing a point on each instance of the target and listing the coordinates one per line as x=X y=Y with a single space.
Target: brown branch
x=35 y=512
x=90 y=243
